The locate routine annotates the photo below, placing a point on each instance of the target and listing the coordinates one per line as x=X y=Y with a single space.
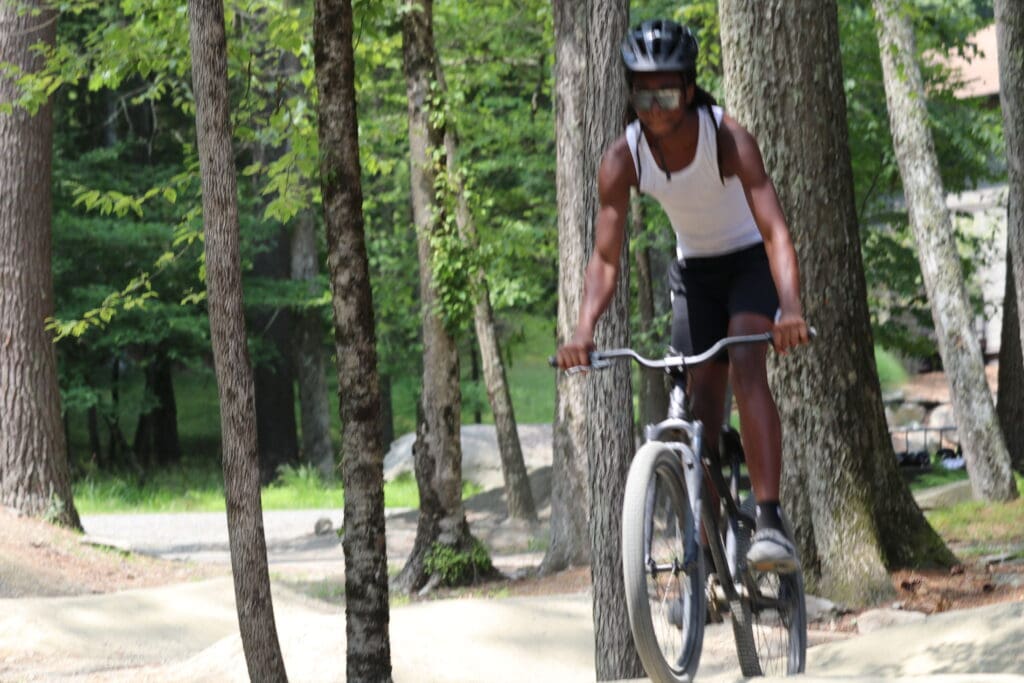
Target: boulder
x=481 y=461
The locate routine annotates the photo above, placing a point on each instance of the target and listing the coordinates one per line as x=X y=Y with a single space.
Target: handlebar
x=603 y=358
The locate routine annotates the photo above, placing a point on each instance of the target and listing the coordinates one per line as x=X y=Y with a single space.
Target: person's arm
x=741 y=157
x=615 y=176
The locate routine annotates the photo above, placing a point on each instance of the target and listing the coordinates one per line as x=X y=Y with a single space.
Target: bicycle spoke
x=663 y=586
x=772 y=614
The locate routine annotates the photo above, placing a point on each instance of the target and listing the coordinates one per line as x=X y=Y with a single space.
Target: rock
x=893 y=396
x=821 y=609
x=943 y=416
x=944 y=496
x=323 y=527
x=907 y=414
x=481 y=461
x=876 y=619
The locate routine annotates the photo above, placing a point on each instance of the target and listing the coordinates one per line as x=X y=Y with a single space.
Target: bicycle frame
x=694 y=468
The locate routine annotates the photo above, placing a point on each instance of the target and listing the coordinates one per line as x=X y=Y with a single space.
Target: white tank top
x=709 y=218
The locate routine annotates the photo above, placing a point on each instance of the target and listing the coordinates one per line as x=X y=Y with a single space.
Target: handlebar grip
x=597 y=362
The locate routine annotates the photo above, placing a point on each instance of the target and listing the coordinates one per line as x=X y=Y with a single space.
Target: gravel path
x=292 y=541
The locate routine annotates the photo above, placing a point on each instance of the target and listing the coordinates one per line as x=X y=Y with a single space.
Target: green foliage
x=301 y=487
x=991 y=527
x=937 y=476
x=891 y=373
x=967 y=134
x=55 y=510
x=458 y=567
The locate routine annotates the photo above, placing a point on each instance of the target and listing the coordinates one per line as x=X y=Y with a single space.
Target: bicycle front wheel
x=662 y=566
x=770 y=619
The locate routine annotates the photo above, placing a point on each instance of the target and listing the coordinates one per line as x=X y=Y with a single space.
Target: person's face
x=660 y=100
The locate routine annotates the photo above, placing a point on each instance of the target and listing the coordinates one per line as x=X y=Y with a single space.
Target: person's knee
x=749 y=373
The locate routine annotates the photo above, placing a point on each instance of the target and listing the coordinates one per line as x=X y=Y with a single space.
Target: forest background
x=455 y=202
x=137 y=386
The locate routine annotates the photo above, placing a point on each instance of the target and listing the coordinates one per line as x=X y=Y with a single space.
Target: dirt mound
x=38 y=559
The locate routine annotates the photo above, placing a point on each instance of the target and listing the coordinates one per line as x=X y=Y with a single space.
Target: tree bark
x=518 y=496
x=594 y=418
x=387 y=414
x=366 y=568
x=841 y=486
x=230 y=351
x=310 y=358
x=437 y=451
x=34 y=473
x=988 y=463
x=1010 y=40
x=277 y=431
x=156 y=436
x=95 y=446
x=1010 y=401
x=654 y=388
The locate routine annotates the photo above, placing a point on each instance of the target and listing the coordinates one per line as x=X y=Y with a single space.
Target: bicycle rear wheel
x=770 y=618
x=662 y=566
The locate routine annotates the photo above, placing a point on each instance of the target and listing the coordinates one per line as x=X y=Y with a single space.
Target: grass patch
x=199 y=487
x=330 y=590
x=987 y=527
x=937 y=476
x=891 y=372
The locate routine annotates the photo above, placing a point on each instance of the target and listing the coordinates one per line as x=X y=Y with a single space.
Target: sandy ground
x=153 y=601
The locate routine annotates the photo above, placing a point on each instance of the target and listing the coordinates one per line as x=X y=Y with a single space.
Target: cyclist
x=735 y=271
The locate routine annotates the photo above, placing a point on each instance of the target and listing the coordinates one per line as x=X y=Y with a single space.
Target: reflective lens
x=667 y=98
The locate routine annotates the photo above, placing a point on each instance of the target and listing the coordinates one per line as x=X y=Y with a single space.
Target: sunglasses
x=667 y=98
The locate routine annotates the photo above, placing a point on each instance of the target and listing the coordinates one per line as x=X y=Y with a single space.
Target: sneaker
x=771 y=551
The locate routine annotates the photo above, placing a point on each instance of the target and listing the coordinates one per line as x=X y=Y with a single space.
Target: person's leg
x=759 y=417
x=753 y=303
x=700 y=317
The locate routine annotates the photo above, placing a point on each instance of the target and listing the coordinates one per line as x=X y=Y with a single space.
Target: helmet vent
x=659 y=45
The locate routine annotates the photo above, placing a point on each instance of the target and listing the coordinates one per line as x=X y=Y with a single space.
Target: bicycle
x=669 y=590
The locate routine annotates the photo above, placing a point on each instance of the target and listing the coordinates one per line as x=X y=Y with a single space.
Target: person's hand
x=576 y=352
x=790 y=331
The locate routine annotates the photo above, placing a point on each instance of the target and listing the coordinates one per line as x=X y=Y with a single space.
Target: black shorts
x=708 y=291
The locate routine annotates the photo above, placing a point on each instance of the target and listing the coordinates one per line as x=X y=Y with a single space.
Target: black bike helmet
x=660 y=45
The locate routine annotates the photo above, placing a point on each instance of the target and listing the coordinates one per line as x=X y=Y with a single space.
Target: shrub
x=458 y=567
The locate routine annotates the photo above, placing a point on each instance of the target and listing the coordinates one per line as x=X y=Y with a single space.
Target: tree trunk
x=156 y=436
x=95 y=446
x=276 y=428
x=34 y=473
x=437 y=451
x=362 y=472
x=518 y=496
x=841 y=486
x=165 y=419
x=118 y=451
x=594 y=418
x=230 y=351
x=654 y=387
x=1010 y=402
x=988 y=463
x=1010 y=38
x=387 y=413
x=310 y=358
